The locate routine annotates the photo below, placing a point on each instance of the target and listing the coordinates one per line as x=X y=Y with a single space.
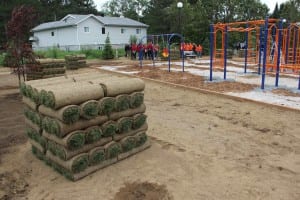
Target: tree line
x=162 y=16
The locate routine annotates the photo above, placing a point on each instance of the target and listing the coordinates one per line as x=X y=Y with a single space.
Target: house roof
x=74 y=19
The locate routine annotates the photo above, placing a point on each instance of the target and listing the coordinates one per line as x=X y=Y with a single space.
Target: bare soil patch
x=143 y=191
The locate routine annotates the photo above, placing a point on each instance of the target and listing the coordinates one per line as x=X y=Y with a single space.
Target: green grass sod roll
x=23 y=90
x=86 y=76
x=51 y=125
x=125 y=86
x=38 y=153
x=127 y=113
x=96 y=155
x=67 y=114
x=141 y=138
x=109 y=128
x=58 y=147
x=112 y=150
x=33 y=116
x=74 y=140
x=106 y=105
x=89 y=109
x=30 y=103
x=35 y=136
x=51 y=146
x=93 y=134
x=74 y=93
x=136 y=99
x=33 y=125
x=55 y=126
x=128 y=143
x=124 y=124
x=122 y=102
x=139 y=120
x=118 y=137
x=75 y=165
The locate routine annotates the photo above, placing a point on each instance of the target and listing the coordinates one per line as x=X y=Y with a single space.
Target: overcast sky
x=271 y=3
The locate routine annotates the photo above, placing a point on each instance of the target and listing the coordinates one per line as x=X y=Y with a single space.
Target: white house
x=76 y=32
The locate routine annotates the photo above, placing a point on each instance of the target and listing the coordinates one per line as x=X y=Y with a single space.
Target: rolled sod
x=56 y=127
x=37 y=152
x=67 y=114
x=109 y=128
x=118 y=137
x=75 y=165
x=33 y=116
x=127 y=113
x=122 y=102
x=74 y=140
x=86 y=77
x=96 y=155
x=31 y=104
x=106 y=105
x=136 y=99
x=36 y=136
x=125 y=86
x=124 y=124
x=128 y=143
x=141 y=138
x=93 y=134
x=72 y=93
x=139 y=120
x=89 y=109
x=112 y=150
x=32 y=125
x=56 y=147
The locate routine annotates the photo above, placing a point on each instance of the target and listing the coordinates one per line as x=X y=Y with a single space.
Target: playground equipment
x=268 y=44
x=166 y=49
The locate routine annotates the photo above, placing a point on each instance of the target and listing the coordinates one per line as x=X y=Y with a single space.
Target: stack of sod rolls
x=81 y=123
x=75 y=61
x=45 y=68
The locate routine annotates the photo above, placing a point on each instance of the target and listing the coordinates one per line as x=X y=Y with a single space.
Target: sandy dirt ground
x=204 y=146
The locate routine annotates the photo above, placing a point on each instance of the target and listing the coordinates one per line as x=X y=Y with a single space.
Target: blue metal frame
x=265 y=54
x=225 y=51
x=246 y=49
x=169 y=45
x=280 y=26
x=211 y=34
x=295 y=44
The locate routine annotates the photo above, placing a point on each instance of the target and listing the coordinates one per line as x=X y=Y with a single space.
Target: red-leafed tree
x=18 y=31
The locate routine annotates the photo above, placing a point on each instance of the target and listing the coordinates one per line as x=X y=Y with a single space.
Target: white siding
x=62 y=37
x=117 y=38
x=94 y=36
x=75 y=38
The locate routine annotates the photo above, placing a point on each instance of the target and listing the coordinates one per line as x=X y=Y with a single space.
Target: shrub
x=107 y=51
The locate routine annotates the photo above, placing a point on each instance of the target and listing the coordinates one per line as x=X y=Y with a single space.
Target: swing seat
x=165 y=53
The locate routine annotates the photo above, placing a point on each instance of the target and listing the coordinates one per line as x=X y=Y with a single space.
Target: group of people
x=142 y=51
x=197 y=49
x=150 y=50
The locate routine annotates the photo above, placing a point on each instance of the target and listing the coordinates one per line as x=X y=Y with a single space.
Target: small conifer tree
x=107 y=51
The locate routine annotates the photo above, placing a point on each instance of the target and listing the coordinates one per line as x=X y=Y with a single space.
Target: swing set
x=166 y=40
x=268 y=45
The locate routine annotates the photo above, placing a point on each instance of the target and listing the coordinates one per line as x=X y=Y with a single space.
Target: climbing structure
x=268 y=44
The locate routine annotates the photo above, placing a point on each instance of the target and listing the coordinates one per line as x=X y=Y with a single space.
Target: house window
x=138 y=31
x=103 y=30
x=122 y=30
x=52 y=33
x=86 y=29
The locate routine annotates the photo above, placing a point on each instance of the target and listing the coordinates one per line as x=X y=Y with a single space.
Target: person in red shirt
x=150 y=50
x=133 y=51
x=199 y=50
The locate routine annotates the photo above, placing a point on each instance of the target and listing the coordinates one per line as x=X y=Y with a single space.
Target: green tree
x=107 y=51
x=276 y=12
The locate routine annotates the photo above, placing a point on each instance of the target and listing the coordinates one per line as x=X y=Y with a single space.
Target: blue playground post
x=259 y=49
x=246 y=48
x=169 y=57
x=280 y=26
x=211 y=34
x=265 y=54
x=225 y=51
x=299 y=82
